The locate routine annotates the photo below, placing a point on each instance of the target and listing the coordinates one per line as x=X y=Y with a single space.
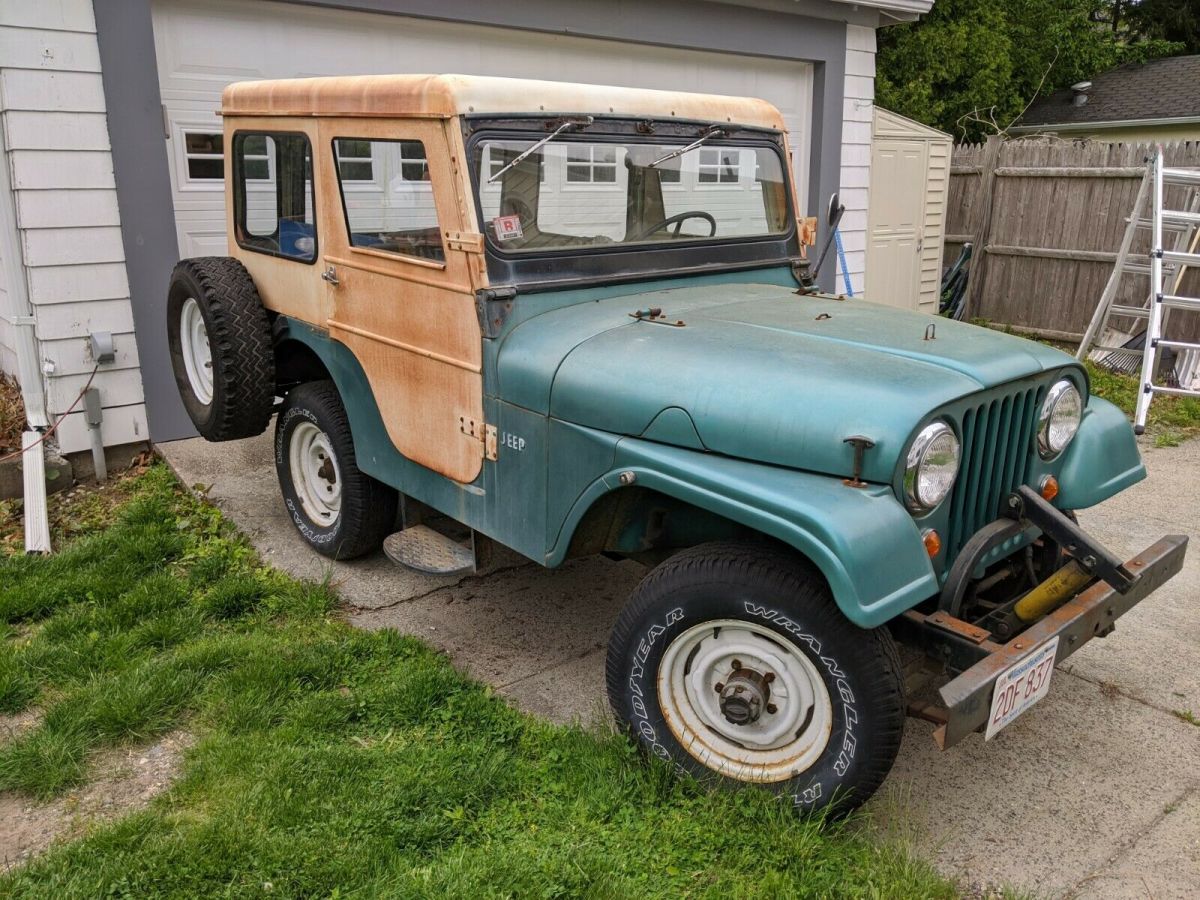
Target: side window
x=273 y=194
x=400 y=218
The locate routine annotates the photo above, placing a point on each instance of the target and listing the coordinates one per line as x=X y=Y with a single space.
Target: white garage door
x=203 y=46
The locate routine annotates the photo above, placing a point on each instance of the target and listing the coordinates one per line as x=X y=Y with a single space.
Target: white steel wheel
x=315 y=474
x=744 y=701
x=197 y=355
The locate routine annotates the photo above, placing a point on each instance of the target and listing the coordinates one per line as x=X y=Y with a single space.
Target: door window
x=273 y=195
x=401 y=218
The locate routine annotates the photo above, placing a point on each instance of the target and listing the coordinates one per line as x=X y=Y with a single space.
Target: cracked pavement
x=1094 y=793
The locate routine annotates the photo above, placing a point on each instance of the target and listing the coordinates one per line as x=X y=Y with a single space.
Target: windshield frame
x=620 y=260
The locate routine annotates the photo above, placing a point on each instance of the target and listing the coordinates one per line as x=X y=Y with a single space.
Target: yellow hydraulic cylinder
x=1053 y=592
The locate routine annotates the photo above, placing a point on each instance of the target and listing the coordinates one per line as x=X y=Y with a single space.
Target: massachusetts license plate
x=1021 y=686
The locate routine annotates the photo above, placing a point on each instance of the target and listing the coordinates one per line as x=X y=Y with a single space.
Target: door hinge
x=482 y=432
x=466 y=241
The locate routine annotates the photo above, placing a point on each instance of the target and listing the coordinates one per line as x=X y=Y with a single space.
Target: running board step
x=429 y=551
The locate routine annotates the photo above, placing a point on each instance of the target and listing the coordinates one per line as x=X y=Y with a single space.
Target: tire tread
x=799 y=580
x=240 y=340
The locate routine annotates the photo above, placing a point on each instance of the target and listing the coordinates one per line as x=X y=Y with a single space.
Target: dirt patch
x=12 y=414
x=126 y=780
x=12 y=727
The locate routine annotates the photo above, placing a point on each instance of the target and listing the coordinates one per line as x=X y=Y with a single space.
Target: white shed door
x=896 y=222
x=203 y=46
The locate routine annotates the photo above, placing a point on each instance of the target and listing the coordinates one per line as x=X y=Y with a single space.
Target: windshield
x=574 y=193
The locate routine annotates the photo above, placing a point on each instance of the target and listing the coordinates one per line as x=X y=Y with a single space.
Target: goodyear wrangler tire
x=341 y=512
x=734 y=660
x=220 y=343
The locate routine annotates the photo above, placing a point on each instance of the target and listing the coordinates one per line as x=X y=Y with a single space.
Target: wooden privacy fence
x=1046 y=217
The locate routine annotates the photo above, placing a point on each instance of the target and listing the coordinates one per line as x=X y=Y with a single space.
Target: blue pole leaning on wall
x=841 y=252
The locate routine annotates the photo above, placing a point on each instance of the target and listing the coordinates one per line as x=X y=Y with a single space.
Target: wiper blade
x=714 y=131
x=567 y=125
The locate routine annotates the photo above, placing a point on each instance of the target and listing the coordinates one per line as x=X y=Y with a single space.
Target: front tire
x=341 y=512
x=733 y=660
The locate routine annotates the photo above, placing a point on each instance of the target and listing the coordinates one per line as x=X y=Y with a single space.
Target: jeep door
x=400 y=285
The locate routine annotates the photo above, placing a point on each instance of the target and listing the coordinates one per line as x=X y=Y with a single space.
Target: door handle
x=330 y=275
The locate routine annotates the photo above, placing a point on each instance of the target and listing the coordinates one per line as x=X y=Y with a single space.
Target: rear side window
x=388 y=197
x=273 y=194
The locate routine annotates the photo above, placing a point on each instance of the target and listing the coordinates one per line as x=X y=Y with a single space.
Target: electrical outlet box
x=103 y=351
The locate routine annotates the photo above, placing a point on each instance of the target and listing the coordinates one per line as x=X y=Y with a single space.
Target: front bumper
x=969 y=650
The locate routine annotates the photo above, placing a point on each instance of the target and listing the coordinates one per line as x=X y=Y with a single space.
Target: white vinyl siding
x=52 y=104
x=857 y=109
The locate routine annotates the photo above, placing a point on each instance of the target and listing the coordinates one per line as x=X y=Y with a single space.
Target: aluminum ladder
x=1163 y=264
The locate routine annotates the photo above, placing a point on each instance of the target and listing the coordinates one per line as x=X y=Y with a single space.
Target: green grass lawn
x=1170 y=419
x=333 y=762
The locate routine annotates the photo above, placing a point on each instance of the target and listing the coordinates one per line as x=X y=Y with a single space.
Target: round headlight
x=1059 y=419
x=931 y=467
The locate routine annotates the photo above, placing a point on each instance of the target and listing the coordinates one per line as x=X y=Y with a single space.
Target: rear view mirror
x=835 y=206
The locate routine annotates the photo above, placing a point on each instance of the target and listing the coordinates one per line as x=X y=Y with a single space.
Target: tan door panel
x=410 y=321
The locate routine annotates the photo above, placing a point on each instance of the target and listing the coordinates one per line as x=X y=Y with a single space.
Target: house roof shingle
x=1159 y=89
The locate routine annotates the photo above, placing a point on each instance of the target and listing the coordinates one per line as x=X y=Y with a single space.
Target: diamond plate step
x=426 y=550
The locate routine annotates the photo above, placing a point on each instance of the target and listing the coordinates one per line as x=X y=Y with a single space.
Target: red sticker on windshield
x=508 y=228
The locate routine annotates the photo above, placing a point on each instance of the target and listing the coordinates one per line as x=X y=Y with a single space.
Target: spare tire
x=220 y=342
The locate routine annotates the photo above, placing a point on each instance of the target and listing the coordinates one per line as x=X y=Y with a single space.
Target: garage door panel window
x=205 y=155
x=400 y=217
x=354 y=162
x=719 y=166
x=591 y=164
x=273 y=198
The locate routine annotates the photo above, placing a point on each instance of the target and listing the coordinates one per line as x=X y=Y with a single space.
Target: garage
x=203 y=46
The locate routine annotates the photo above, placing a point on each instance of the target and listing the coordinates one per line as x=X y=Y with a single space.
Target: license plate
x=1021 y=686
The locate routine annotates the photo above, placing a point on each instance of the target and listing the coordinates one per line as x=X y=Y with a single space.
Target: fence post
x=983 y=222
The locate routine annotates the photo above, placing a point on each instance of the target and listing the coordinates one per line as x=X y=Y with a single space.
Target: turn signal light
x=933 y=542
x=1049 y=487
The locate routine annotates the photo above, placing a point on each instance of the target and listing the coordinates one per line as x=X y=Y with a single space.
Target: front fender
x=1101 y=461
x=862 y=539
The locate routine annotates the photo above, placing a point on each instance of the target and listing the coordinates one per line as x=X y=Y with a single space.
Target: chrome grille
x=997 y=438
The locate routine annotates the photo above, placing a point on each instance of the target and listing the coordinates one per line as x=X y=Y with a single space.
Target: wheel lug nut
x=772 y=708
x=769 y=677
x=737 y=664
x=719 y=687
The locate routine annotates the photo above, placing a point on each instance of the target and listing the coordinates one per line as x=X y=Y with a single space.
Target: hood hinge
x=492 y=306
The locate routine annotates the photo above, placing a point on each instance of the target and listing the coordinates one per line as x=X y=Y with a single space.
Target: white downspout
x=18 y=312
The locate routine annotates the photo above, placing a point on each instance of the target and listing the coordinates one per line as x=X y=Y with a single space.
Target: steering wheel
x=677 y=220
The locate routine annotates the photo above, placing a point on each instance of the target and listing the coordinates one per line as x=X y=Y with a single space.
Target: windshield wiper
x=567 y=125
x=714 y=131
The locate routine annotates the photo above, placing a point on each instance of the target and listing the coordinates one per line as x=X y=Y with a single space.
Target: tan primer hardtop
x=411 y=322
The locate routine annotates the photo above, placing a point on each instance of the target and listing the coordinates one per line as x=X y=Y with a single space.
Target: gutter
x=15 y=308
x=18 y=312
x=1112 y=123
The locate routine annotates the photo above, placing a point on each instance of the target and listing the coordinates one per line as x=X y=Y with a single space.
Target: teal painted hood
x=763 y=373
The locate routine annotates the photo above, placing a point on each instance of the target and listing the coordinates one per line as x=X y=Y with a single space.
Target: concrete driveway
x=1094 y=793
